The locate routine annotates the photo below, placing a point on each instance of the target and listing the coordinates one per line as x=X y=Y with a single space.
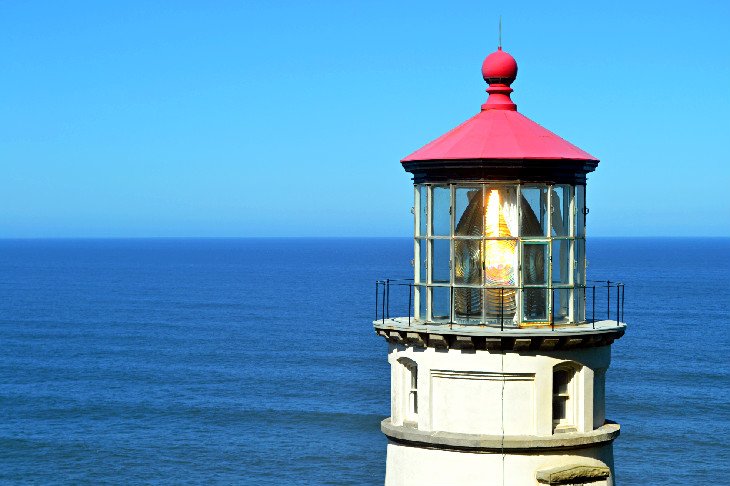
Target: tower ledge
x=401 y=330
x=497 y=443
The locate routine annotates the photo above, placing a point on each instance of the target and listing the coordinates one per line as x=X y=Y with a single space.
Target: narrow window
x=410 y=389
x=563 y=399
x=413 y=395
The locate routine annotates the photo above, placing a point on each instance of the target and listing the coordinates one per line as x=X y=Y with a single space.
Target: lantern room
x=502 y=253
x=500 y=206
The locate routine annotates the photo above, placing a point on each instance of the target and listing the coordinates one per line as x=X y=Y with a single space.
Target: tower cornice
x=453 y=336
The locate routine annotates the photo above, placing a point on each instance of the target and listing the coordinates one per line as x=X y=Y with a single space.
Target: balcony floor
x=445 y=335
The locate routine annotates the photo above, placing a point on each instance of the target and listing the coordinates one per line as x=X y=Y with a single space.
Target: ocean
x=254 y=361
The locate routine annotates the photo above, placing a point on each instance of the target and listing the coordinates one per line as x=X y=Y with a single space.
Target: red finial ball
x=499 y=68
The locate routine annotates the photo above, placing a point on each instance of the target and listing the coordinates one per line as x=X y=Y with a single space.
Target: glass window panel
x=580 y=261
x=468 y=305
x=441 y=303
x=580 y=205
x=441 y=211
x=500 y=262
x=469 y=211
x=423 y=209
x=534 y=263
x=560 y=382
x=560 y=207
x=579 y=308
x=422 y=303
x=468 y=262
x=561 y=262
x=559 y=408
x=579 y=313
x=532 y=207
x=500 y=304
x=422 y=261
x=561 y=304
x=500 y=213
x=441 y=261
x=534 y=303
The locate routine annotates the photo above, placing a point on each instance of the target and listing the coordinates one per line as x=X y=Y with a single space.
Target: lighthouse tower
x=499 y=346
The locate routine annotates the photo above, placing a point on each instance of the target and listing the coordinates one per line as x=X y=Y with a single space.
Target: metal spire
x=500 y=32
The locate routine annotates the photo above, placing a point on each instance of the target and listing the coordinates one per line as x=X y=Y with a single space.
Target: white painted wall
x=408 y=466
x=482 y=392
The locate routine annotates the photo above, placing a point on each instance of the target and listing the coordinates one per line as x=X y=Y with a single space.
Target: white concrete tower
x=498 y=368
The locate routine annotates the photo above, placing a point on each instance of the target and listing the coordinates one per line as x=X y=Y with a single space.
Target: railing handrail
x=382 y=301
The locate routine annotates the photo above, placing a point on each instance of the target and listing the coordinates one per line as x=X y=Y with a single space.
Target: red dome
x=499 y=67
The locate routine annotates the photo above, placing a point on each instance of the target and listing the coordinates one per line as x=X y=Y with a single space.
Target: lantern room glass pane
x=534 y=304
x=468 y=262
x=560 y=207
x=441 y=261
x=441 y=211
x=561 y=304
x=469 y=211
x=468 y=304
x=534 y=263
x=422 y=261
x=500 y=304
x=500 y=263
x=500 y=223
x=422 y=302
x=580 y=208
x=441 y=303
x=422 y=210
x=500 y=212
x=560 y=262
x=533 y=208
x=580 y=262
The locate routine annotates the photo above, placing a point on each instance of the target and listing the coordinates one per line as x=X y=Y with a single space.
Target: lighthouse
x=499 y=346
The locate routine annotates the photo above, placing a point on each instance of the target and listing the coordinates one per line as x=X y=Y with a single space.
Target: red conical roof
x=499 y=131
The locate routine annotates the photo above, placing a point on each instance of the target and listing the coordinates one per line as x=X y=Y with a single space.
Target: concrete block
x=573 y=343
x=396 y=337
x=494 y=344
x=415 y=339
x=522 y=344
x=463 y=342
x=549 y=344
x=437 y=341
x=572 y=474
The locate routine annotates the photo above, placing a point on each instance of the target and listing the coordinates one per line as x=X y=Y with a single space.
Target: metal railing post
x=382 y=314
x=593 y=304
x=552 y=308
x=451 y=305
x=377 y=284
x=618 y=295
x=608 y=300
x=410 y=299
x=387 y=308
x=623 y=298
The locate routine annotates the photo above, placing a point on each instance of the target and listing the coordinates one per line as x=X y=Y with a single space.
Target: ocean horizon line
x=310 y=237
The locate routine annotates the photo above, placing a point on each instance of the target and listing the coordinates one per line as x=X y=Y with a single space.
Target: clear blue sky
x=216 y=118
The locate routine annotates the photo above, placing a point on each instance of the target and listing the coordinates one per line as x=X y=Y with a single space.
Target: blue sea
x=253 y=361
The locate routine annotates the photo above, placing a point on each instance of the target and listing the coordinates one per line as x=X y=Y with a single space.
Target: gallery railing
x=601 y=300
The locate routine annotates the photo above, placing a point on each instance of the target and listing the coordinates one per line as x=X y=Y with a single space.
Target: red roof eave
x=499 y=135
